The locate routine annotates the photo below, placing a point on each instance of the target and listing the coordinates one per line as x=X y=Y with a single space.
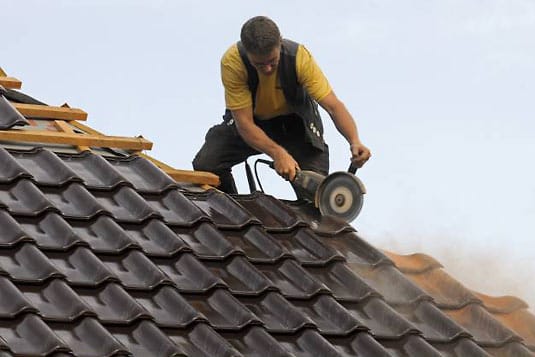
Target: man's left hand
x=359 y=154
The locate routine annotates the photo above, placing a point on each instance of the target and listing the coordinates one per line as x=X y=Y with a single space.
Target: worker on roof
x=272 y=87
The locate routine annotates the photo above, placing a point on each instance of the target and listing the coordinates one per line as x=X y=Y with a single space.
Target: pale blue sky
x=443 y=93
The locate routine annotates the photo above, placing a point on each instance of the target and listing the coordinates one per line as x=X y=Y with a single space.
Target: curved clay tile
x=522 y=322
x=413 y=263
x=501 y=304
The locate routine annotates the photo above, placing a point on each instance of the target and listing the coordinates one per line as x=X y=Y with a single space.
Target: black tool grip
x=352 y=168
x=267 y=162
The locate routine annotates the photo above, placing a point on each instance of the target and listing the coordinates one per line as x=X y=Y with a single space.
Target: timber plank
x=10 y=82
x=49 y=112
x=200 y=177
x=76 y=139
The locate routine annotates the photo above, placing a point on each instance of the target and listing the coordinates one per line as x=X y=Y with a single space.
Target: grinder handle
x=352 y=168
x=267 y=162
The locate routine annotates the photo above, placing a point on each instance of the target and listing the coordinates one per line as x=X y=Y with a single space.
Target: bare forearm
x=347 y=127
x=284 y=163
x=254 y=136
x=257 y=139
x=344 y=122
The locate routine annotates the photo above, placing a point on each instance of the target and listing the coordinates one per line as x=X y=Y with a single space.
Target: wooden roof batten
x=9 y=82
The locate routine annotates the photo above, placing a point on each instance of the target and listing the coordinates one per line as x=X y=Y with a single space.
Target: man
x=272 y=86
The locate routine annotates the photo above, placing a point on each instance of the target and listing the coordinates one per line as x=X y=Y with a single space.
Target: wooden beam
x=48 y=112
x=10 y=82
x=76 y=139
x=66 y=128
x=200 y=177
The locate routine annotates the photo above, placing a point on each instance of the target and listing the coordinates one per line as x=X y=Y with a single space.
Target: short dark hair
x=260 y=35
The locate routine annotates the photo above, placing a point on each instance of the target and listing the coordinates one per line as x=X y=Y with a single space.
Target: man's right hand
x=285 y=165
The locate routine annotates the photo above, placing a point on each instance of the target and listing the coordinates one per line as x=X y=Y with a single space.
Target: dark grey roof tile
x=12 y=300
x=50 y=231
x=126 y=205
x=292 y=280
x=112 y=304
x=515 y=349
x=308 y=343
x=276 y=313
x=390 y=283
x=329 y=316
x=463 y=347
x=10 y=169
x=223 y=311
x=307 y=247
x=274 y=215
x=344 y=284
x=256 y=342
x=45 y=167
x=143 y=174
x=56 y=301
x=202 y=341
x=9 y=116
x=12 y=232
x=81 y=267
x=207 y=242
x=24 y=198
x=485 y=329
x=87 y=337
x=103 y=235
x=176 y=209
x=432 y=322
x=135 y=270
x=27 y=264
x=323 y=225
x=94 y=170
x=74 y=201
x=357 y=250
x=361 y=344
x=168 y=307
x=188 y=274
x=19 y=97
x=411 y=345
x=224 y=211
x=240 y=276
x=30 y=336
x=156 y=239
x=146 y=339
x=382 y=320
x=257 y=245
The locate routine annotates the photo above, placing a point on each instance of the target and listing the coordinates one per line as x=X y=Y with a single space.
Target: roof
x=103 y=253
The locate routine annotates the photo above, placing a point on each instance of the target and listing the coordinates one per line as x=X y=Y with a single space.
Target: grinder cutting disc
x=341 y=195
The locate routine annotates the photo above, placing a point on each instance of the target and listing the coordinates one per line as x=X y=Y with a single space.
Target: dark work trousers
x=223 y=148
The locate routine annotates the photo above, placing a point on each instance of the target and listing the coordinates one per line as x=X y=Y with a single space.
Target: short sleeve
x=309 y=74
x=234 y=78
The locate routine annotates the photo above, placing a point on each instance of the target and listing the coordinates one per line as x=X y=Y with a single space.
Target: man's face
x=266 y=64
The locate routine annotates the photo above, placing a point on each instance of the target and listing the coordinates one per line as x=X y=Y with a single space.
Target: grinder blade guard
x=340 y=194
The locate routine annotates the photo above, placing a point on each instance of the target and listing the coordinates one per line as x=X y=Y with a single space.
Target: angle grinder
x=340 y=194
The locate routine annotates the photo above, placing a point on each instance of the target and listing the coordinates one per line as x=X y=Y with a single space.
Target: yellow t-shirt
x=270 y=100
